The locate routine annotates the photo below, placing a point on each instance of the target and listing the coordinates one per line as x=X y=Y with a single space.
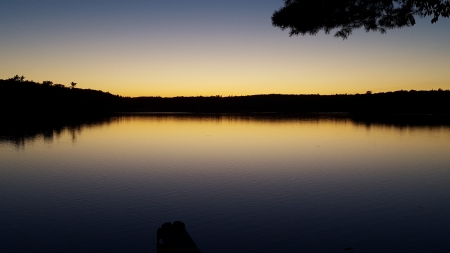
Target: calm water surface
x=241 y=184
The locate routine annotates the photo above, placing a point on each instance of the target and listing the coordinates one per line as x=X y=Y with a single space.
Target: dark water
x=241 y=184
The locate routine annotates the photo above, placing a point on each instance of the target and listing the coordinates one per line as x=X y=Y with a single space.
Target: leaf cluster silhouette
x=303 y=17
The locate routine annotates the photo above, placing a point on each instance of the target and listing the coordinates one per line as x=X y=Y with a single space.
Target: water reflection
x=24 y=132
x=242 y=183
x=20 y=134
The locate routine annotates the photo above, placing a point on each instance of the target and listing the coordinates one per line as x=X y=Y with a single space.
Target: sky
x=209 y=47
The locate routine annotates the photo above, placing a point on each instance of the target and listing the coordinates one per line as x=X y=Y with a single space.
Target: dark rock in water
x=178 y=225
x=166 y=226
x=173 y=238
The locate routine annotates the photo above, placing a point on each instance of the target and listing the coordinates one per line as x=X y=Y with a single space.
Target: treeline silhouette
x=387 y=103
x=22 y=98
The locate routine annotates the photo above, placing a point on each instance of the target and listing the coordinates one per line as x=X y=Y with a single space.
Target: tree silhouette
x=73 y=84
x=47 y=83
x=16 y=78
x=311 y=16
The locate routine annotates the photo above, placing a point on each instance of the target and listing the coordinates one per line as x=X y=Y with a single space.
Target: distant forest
x=23 y=98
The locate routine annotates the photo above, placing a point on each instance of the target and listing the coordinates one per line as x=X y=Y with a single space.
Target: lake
x=240 y=183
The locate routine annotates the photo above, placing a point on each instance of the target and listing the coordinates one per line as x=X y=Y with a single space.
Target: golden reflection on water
x=227 y=139
x=232 y=140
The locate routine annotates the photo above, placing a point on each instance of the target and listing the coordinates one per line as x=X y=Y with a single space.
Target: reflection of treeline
x=27 y=130
x=392 y=120
x=24 y=132
x=21 y=97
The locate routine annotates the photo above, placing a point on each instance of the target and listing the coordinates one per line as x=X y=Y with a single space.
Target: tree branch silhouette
x=311 y=16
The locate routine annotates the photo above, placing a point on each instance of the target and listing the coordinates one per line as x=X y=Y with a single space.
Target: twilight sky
x=209 y=47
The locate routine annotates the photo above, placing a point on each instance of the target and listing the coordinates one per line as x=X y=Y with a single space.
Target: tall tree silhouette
x=73 y=84
x=311 y=16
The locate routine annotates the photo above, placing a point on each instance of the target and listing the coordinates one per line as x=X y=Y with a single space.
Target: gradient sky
x=209 y=47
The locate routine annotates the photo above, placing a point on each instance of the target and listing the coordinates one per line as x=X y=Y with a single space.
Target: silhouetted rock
x=173 y=238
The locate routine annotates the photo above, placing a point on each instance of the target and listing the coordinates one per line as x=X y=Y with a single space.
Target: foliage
x=47 y=83
x=311 y=16
x=17 y=78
